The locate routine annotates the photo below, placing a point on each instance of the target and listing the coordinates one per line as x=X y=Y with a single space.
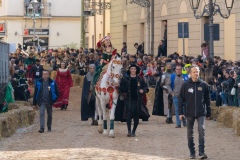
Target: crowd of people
x=221 y=75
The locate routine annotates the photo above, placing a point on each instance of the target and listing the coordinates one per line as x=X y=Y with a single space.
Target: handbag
x=233 y=91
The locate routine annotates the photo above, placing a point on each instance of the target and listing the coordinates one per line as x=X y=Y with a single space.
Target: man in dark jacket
x=134 y=87
x=45 y=95
x=36 y=71
x=195 y=95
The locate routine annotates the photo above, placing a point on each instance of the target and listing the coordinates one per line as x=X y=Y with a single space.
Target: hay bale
x=236 y=121
x=12 y=120
x=12 y=106
x=9 y=124
x=23 y=103
x=73 y=78
x=215 y=112
x=81 y=81
x=47 y=66
x=53 y=75
x=77 y=80
x=151 y=95
x=31 y=116
x=226 y=116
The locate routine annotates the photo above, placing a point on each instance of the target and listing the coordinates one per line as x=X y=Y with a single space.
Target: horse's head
x=116 y=68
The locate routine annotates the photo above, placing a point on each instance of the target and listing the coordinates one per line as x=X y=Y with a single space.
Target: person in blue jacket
x=45 y=95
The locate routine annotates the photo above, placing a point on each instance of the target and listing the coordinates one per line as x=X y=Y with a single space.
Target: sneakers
x=202 y=156
x=133 y=134
x=192 y=156
x=169 y=120
x=178 y=126
x=49 y=129
x=129 y=134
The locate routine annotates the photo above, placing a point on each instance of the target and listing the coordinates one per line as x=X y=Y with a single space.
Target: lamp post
x=211 y=9
x=32 y=8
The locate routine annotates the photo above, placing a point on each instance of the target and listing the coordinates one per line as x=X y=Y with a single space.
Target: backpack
x=185 y=77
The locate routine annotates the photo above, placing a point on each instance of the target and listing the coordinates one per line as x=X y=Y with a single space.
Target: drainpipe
x=152 y=27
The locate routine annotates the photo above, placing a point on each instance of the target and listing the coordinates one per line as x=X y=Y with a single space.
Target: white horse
x=106 y=90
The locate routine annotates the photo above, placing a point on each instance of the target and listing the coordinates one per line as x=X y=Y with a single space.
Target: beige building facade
x=57 y=25
x=97 y=26
x=129 y=23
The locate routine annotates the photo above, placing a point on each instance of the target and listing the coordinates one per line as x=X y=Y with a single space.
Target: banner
x=28 y=32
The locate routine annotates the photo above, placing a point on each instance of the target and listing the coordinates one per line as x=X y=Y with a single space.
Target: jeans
x=238 y=102
x=35 y=81
x=42 y=115
x=229 y=100
x=201 y=133
x=224 y=98
x=175 y=102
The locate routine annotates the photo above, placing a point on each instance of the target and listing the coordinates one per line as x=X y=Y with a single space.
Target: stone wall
x=20 y=114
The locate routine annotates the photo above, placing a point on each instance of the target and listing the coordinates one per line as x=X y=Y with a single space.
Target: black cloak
x=121 y=109
x=87 y=109
x=158 y=106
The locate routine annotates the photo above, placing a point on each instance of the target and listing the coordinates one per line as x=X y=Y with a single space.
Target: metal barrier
x=4 y=65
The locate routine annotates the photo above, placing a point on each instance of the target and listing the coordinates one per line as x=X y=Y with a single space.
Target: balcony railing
x=44 y=13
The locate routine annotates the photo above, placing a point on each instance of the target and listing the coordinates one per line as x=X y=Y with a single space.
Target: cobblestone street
x=72 y=139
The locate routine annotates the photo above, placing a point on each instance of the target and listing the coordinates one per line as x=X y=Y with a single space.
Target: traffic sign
x=183 y=30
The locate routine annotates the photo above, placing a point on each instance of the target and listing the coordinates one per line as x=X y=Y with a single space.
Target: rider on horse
x=108 y=51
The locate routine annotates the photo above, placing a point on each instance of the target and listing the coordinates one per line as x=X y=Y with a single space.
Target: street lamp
x=142 y=3
x=32 y=8
x=211 y=9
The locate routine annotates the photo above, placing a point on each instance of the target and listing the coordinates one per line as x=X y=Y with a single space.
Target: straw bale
x=73 y=79
x=46 y=66
x=151 y=95
x=12 y=106
x=81 y=81
x=53 y=75
x=236 y=121
x=226 y=116
x=16 y=118
x=215 y=112
x=77 y=80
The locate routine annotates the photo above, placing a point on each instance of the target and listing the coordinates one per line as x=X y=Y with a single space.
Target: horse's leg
x=112 y=117
x=103 y=106
x=96 y=112
x=98 y=103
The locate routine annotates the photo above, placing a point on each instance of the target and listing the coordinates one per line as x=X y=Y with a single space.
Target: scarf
x=90 y=76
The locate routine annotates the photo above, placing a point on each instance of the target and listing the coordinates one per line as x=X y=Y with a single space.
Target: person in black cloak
x=158 y=107
x=88 y=98
x=133 y=87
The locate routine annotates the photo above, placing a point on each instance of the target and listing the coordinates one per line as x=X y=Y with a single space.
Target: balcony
x=44 y=13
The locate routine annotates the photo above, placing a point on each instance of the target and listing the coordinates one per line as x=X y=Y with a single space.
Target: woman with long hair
x=64 y=82
x=108 y=51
